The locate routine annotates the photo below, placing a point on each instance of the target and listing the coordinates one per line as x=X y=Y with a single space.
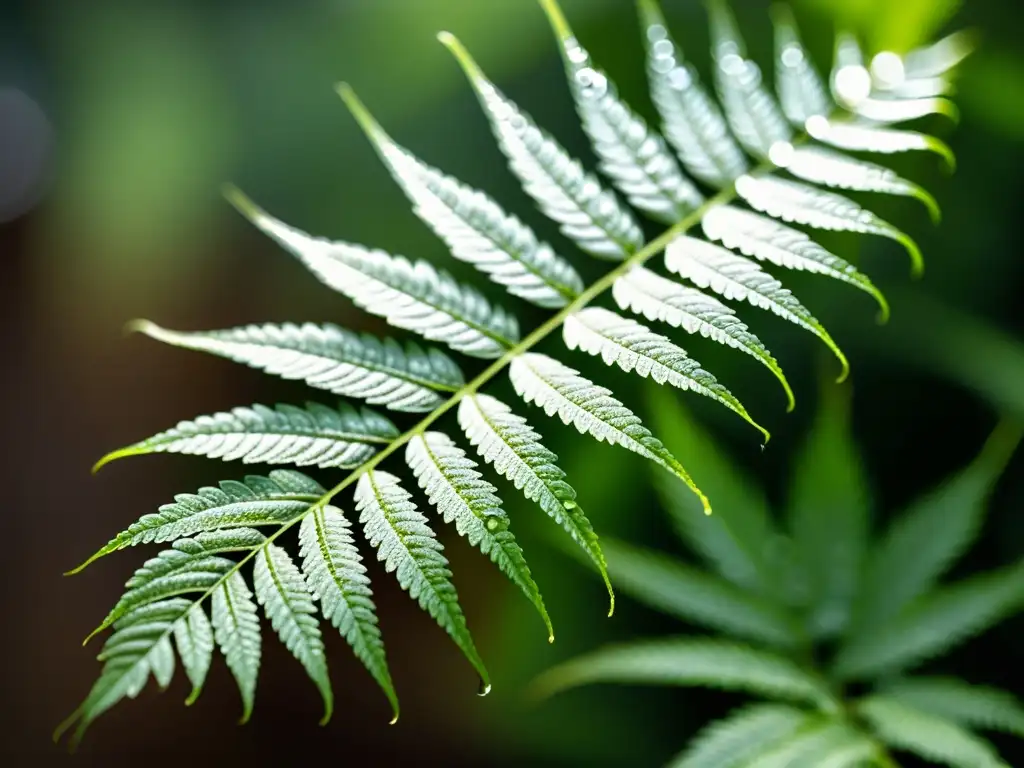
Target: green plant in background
x=807 y=138
x=816 y=616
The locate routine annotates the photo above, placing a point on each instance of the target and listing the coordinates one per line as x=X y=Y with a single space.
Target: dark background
x=118 y=123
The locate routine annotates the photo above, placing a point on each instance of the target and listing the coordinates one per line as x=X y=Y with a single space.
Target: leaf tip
x=241 y=202
x=557 y=19
x=394 y=719
x=193 y=696
x=120 y=453
x=359 y=111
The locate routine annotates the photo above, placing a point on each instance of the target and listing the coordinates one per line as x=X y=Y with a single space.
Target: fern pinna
x=826 y=627
x=763 y=165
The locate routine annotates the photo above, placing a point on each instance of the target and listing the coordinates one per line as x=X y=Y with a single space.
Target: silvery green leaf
x=690 y=118
x=475 y=228
x=410 y=295
x=358 y=365
x=587 y=214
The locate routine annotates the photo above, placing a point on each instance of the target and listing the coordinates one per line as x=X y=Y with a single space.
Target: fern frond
x=273 y=500
x=408 y=548
x=361 y=366
x=410 y=295
x=820 y=165
x=658 y=299
x=504 y=439
x=137 y=648
x=236 y=628
x=801 y=92
x=888 y=111
x=691 y=120
x=457 y=490
x=735 y=277
x=336 y=577
x=634 y=347
x=933 y=624
x=971 y=706
x=193 y=635
x=751 y=111
x=589 y=407
x=933 y=738
x=740 y=736
x=768 y=240
x=668 y=585
x=312 y=436
x=924 y=541
x=190 y=565
x=632 y=155
x=690 y=662
x=864 y=137
x=820 y=743
x=587 y=214
x=476 y=230
x=793 y=201
x=737 y=544
x=285 y=598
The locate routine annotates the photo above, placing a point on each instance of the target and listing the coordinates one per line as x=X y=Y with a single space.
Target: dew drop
x=484 y=688
x=569 y=504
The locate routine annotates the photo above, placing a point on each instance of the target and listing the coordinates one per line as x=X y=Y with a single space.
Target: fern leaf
x=849 y=80
x=933 y=624
x=967 y=705
x=739 y=543
x=863 y=137
x=476 y=230
x=768 y=240
x=273 y=500
x=410 y=295
x=801 y=91
x=408 y=548
x=633 y=156
x=735 y=277
x=750 y=109
x=820 y=165
x=336 y=576
x=688 y=662
x=658 y=299
x=312 y=436
x=587 y=214
x=923 y=542
x=938 y=58
x=137 y=648
x=285 y=598
x=667 y=585
x=379 y=371
x=633 y=347
x=740 y=736
x=691 y=120
x=828 y=519
x=887 y=111
x=820 y=743
x=504 y=439
x=796 y=202
x=589 y=407
x=161 y=661
x=933 y=738
x=190 y=565
x=193 y=634
x=456 y=489
x=236 y=628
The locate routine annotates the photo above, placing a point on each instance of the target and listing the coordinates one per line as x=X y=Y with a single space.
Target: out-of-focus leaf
x=828 y=518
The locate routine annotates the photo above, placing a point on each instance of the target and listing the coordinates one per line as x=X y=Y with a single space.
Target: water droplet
x=484 y=688
x=569 y=504
x=492 y=524
x=792 y=56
